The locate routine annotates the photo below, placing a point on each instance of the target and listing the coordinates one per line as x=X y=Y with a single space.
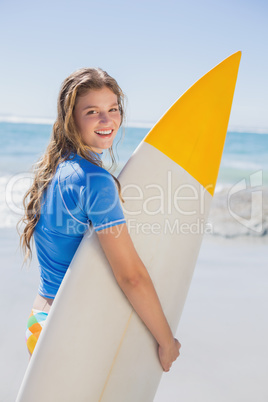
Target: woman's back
x=79 y=196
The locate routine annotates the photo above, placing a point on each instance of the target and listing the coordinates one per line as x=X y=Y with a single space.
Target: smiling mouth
x=104 y=133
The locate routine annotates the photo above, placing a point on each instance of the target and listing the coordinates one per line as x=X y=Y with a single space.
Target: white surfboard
x=94 y=347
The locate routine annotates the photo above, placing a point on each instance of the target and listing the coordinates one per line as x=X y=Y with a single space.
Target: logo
x=252 y=219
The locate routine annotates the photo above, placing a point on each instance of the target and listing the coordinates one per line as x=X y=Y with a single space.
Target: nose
x=105 y=117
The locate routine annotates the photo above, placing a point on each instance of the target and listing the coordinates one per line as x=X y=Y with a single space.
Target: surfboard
x=94 y=347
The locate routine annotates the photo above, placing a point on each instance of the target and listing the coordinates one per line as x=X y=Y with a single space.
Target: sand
x=17 y=290
x=223 y=329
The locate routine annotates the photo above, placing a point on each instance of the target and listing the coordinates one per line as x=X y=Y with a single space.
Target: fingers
x=168 y=355
x=178 y=345
x=176 y=353
x=166 y=370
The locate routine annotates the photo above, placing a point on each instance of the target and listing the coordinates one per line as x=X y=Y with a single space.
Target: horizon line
x=131 y=124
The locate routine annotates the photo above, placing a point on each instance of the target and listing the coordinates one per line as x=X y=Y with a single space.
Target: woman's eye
x=91 y=112
x=114 y=109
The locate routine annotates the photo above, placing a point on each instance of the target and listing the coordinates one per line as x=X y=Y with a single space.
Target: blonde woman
x=72 y=190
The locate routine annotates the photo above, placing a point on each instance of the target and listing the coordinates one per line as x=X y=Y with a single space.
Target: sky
x=155 y=49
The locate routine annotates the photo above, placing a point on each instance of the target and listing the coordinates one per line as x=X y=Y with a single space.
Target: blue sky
x=155 y=49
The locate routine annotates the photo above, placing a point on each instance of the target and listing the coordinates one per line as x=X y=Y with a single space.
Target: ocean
x=243 y=175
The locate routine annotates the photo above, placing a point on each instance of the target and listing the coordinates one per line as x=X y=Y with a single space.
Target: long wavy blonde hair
x=65 y=139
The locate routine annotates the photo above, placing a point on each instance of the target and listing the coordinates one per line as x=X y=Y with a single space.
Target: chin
x=106 y=146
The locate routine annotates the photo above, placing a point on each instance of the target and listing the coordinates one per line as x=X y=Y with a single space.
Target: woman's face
x=97 y=118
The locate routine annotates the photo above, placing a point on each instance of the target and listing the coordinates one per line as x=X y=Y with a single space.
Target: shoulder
x=81 y=171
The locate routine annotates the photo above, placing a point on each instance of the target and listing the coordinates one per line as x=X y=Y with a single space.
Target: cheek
x=84 y=125
x=119 y=120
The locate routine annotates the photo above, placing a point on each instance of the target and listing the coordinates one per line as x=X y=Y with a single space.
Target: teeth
x=104 y=132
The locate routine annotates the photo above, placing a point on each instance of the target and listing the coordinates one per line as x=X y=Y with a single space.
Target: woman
x=72 y=190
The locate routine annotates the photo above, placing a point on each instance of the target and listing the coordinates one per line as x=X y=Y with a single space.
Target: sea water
x=243 y=174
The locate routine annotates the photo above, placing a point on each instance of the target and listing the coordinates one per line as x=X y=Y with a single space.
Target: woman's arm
x=134 y=280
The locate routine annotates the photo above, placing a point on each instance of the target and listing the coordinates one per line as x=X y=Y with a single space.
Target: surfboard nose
x=196 y=125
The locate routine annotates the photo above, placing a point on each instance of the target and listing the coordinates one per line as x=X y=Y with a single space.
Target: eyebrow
x=94 y=107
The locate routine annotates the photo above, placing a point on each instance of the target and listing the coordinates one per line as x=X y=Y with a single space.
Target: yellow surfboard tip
x=195 y=126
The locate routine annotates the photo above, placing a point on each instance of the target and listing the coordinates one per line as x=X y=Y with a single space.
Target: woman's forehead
x=96 y=97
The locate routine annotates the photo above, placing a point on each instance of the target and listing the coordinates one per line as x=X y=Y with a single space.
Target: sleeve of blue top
x=101 y=201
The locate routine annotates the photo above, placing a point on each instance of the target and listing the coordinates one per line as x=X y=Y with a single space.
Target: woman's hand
x=167 y=355
x=135 y=282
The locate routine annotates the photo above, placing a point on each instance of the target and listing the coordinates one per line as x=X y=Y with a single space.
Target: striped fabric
x=34 y=327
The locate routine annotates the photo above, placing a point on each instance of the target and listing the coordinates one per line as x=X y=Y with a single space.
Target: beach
x=223 y=329
x=18 y=288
